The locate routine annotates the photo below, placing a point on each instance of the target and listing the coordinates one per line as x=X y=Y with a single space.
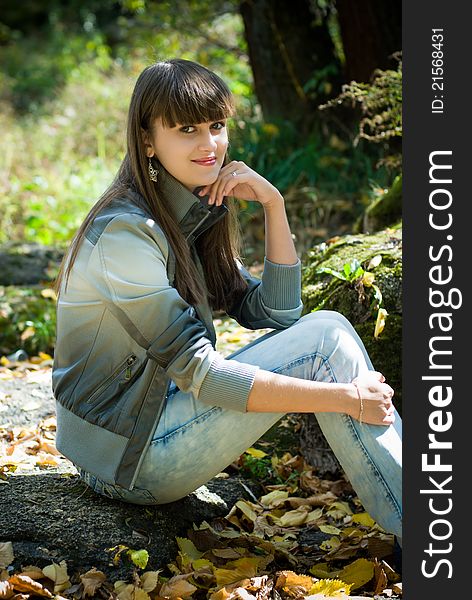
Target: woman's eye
x=219 y=125
x=187 y=129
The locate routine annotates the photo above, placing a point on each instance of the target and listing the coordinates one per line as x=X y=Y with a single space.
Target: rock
x=354 y=301
x=385 y=210
x=27 y=264
x=51 y=517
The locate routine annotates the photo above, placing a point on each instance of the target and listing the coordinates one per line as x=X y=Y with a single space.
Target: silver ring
x=234 y=173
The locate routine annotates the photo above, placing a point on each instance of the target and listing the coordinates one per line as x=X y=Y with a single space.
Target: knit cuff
x=281 y=285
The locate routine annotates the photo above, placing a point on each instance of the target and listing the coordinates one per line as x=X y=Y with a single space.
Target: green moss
x=386 y=352
x=355 y=301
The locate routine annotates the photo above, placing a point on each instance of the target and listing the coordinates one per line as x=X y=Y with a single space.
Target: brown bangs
x=192 y=94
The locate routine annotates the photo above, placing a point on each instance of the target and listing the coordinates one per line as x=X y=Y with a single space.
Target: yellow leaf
x=4 y=361
x=242 y=568
x=363 y=519
x=321 y=570
x=293 y=518
x=92 y=580
x=49 y=293
x=27 y=333
x=256 y=453
x=330 y=544
x=6 y=554
x=247 y=509
x=58 y=574
x=331 y=588
x=341 y=506
x=273 y=497
x=203 y=563
x=314 y=515
x=380 y=322
x=149 y=580
x=139 y=558
x=44 y=356
x=330 y=529
x=368 y=278
x=357 y=573
x=187 y=547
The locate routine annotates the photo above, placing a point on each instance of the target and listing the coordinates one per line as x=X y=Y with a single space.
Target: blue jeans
x=195 y=441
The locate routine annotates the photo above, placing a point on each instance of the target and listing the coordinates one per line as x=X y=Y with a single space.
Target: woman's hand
x=376 y=399
x=237 y=179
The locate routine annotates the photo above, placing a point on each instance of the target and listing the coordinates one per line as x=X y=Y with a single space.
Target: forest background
x=318 y=89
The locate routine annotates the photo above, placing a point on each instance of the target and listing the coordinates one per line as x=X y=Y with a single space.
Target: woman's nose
x=208 y=141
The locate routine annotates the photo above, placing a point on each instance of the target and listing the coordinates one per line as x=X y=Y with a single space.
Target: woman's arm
x=279 y=246
x=272 y=392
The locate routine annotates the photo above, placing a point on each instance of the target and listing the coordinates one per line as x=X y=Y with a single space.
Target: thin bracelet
x=361 y=403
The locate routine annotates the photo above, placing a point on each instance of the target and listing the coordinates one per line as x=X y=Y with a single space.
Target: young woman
x=147 y=409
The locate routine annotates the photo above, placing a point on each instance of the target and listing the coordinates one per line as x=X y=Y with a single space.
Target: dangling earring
x=153 y=173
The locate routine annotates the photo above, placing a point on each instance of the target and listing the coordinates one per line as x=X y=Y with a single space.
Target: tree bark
x=286 y=47
x=371 y=30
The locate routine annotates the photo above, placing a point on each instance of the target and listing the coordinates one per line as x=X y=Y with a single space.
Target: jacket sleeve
x=128 y=269
x=272 y=301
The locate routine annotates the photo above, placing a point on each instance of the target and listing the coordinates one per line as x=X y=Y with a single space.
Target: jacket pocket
x=124 y=368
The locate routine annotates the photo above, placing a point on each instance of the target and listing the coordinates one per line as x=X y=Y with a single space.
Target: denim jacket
x=124 y=332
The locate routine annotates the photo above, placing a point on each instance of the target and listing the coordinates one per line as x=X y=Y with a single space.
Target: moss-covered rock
x=356 y=298
x=384 y=211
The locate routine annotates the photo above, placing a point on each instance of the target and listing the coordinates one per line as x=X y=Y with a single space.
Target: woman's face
x=193 y=154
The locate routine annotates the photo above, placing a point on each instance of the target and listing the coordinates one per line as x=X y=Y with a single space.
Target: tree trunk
x=286 y=48
x=371 y=31
x=314 y=447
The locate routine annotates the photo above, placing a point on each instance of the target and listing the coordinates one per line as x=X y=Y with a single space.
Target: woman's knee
x=334 y=335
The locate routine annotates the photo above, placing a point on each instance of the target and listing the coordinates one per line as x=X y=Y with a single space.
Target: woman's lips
x=208 y=162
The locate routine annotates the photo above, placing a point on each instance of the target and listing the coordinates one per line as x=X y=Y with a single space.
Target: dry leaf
x=58 y=574
x=293 y=584
x=330 y=529
x=177 y=587
x=332 y=588
x=92 y=580
x=380 y=322
x=6 y=590
x=149 y=580
x=243 y=568
x=363 y=519
x=6 y=554
x=23 y=583
x=273 y=498
x=256 y=453
x=381 y=580
x=33 y=572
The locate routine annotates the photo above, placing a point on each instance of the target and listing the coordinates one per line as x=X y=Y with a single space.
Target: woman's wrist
x=275 y=201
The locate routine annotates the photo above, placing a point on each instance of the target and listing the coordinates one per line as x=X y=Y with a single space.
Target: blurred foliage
x=66 y=74
x=27 y=320
x=381 y=105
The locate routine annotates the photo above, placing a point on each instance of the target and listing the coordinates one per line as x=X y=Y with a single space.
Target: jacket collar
x=189 y=209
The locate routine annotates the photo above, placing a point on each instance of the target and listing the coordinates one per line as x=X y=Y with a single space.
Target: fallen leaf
x=380 y=322
x=6 y=554
x=58 y=574
x=139 y=558
x=33 y=572
x=92 y=580
x=256 y=453
x=330 y=529
x=242 y=568
x=331 y=588
x=6 y=590
x=293 y=584
x=177 y=587
x=23 y=583
x=380 y=578
x=149 y=580
x=273 y=498
x=363 y=519
x=358 y=573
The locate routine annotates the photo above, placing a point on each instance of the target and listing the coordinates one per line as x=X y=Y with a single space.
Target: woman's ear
x=146 y=138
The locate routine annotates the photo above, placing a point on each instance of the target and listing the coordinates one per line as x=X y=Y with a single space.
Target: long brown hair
x=176 y=91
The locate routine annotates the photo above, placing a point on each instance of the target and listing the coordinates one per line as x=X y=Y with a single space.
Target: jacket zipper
x=124 y=366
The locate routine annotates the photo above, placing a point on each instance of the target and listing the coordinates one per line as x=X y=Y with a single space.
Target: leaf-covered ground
x=305 y=537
